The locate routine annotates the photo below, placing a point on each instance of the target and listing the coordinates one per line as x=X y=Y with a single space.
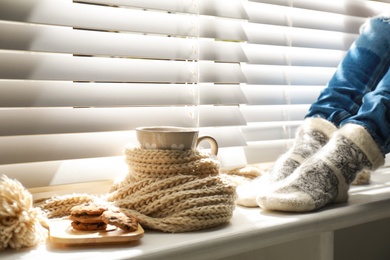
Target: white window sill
x=250 y=230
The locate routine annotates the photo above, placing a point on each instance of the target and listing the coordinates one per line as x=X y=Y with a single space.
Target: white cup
x=173 y=138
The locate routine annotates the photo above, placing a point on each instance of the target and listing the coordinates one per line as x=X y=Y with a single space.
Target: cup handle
x=213 y=143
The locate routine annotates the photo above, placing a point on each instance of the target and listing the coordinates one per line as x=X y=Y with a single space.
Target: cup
x=173 y=138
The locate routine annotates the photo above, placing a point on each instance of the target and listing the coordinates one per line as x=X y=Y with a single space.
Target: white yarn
x=21 y=225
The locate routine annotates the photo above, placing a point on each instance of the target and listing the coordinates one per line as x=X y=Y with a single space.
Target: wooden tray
x=61 y=232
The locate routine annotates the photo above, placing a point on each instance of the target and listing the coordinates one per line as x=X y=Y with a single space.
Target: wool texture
x=174 y=191
x=325 y=177
x=310 y=137
x=21 y=225
x=167 y=190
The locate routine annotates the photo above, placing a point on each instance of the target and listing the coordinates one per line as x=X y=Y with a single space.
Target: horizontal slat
x=362 y=8
x=71 y=94
x=40 y=148
x=222 y=28
x=297 y=17
x=209 y=49
x=229 y=136
x=223 y=8
x=182 y=6
x=60 y=39
x=297 y=37
x=79 y=120
x=265 y=151
x=270 y=131
x=47 y=66
x=286 y=75
x=20 y=93
x=219 y=94
x=295 y=56
x=40 y=174
x=76 y=120
x=46 y=38
x=274 y=113
x=220 y=72
x=67 y=13
x=45 y=148
x=280 y=95
x=95 y=171
x=216 y=116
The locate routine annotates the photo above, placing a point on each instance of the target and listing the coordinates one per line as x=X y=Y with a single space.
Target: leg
x=374 y=114
x=358 y=99
x=360 y=71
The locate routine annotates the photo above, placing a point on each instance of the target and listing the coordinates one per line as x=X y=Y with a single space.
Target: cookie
x=88 y=208
x=86 y=219
x=120 y=220
x=88 y=226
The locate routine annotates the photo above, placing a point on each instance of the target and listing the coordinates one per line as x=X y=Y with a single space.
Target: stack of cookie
x=88 y=217
x=95 y=217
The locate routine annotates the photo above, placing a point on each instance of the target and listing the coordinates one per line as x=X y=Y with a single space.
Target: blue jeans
x=359 y=91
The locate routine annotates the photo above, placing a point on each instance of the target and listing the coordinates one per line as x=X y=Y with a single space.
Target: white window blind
x=77 y=77
x=293 y=48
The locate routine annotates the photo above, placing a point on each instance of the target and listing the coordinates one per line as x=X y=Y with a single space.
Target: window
x=77 y=77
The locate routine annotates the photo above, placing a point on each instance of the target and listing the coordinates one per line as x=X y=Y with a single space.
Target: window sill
x=251 y=233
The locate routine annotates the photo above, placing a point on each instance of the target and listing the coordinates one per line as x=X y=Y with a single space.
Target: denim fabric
x=359 y=91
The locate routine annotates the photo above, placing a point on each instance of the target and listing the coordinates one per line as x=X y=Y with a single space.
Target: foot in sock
x=326 y=176
x=312 y=135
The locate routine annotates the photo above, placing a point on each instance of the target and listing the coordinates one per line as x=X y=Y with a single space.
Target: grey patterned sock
x=326 y=176
x=311 y=136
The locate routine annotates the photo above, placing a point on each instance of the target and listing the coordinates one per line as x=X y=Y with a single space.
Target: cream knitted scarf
x=167 y=190
x=170 y=191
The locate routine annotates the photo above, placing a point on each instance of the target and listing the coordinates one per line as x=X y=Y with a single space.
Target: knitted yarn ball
x=21 y=225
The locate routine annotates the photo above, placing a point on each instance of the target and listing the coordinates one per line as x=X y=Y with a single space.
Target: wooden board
x=61 y=232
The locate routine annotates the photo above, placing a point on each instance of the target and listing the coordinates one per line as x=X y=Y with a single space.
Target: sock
x=312 y=135
x=326 y=176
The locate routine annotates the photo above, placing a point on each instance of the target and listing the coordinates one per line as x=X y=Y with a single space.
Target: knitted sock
x=326 y=176
x=312 y=135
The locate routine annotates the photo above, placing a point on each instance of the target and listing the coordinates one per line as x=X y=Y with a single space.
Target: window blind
x=77 y=77
x=295 y=47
